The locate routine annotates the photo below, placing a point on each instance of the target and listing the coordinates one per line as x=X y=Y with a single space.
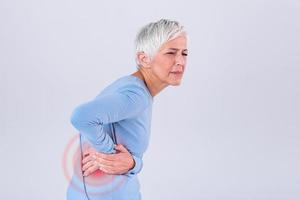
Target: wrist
x=132 y=163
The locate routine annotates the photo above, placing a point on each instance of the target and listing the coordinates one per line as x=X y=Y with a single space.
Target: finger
x=107 y=169
x=88 y=151
x=106 y=162
x=113 y=171
x=88 y=158
x=87 y=165
x=90 y=170
x=111 y=157
x=121 y=148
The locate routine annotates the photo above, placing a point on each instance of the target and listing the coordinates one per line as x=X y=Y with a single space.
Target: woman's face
x=169 y=62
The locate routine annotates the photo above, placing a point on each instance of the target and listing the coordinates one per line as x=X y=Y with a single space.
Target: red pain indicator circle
x=97 y=183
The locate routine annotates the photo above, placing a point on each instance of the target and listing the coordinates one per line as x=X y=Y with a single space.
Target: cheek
x=165 y=64
x=161 y=67
x=159 y=71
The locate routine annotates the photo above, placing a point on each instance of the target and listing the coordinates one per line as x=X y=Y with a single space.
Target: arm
x=90 y=117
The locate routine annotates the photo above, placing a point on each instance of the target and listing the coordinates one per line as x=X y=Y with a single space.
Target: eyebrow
x=176 y=49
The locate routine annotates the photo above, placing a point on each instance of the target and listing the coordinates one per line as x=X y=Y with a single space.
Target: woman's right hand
x=118 y=163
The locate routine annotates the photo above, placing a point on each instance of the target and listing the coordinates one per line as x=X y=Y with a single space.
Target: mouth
x=177 y=72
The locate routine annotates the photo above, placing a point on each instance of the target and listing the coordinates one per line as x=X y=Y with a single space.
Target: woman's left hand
x=118 y=163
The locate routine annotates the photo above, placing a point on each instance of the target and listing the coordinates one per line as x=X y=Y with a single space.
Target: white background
x=230 y=131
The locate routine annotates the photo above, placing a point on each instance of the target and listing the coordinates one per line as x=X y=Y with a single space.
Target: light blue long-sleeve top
x=127 y=103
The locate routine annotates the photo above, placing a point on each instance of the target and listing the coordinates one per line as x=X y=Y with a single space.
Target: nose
x=180 y=60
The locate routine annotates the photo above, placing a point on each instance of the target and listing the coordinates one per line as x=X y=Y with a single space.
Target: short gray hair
x=153 y=35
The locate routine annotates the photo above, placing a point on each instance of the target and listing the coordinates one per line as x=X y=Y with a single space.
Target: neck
x=154 y=84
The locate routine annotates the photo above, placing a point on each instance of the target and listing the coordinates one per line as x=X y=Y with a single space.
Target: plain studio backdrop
x=231 y=131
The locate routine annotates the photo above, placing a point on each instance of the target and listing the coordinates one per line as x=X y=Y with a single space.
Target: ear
x=143 y=59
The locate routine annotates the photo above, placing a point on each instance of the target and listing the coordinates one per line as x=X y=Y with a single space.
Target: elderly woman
x=121 y=114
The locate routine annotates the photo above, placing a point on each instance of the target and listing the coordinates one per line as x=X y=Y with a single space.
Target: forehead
x=176 y=43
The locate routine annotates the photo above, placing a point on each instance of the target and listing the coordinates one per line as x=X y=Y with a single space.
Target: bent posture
x=106 y=171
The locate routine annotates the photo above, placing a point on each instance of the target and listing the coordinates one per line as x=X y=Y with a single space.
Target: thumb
x=121 y=148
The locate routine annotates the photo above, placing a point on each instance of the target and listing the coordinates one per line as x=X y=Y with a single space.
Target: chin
x=175 y=83
x=175 y=80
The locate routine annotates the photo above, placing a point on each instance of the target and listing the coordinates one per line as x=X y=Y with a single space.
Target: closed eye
x=172 y=53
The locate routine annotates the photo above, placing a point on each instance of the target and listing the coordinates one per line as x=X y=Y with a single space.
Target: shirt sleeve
x=89 y=118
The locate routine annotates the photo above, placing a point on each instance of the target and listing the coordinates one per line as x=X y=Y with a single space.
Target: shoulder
x=134 y=88
x=130 y=86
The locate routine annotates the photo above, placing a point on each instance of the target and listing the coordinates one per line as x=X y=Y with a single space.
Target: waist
x=105 y=187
